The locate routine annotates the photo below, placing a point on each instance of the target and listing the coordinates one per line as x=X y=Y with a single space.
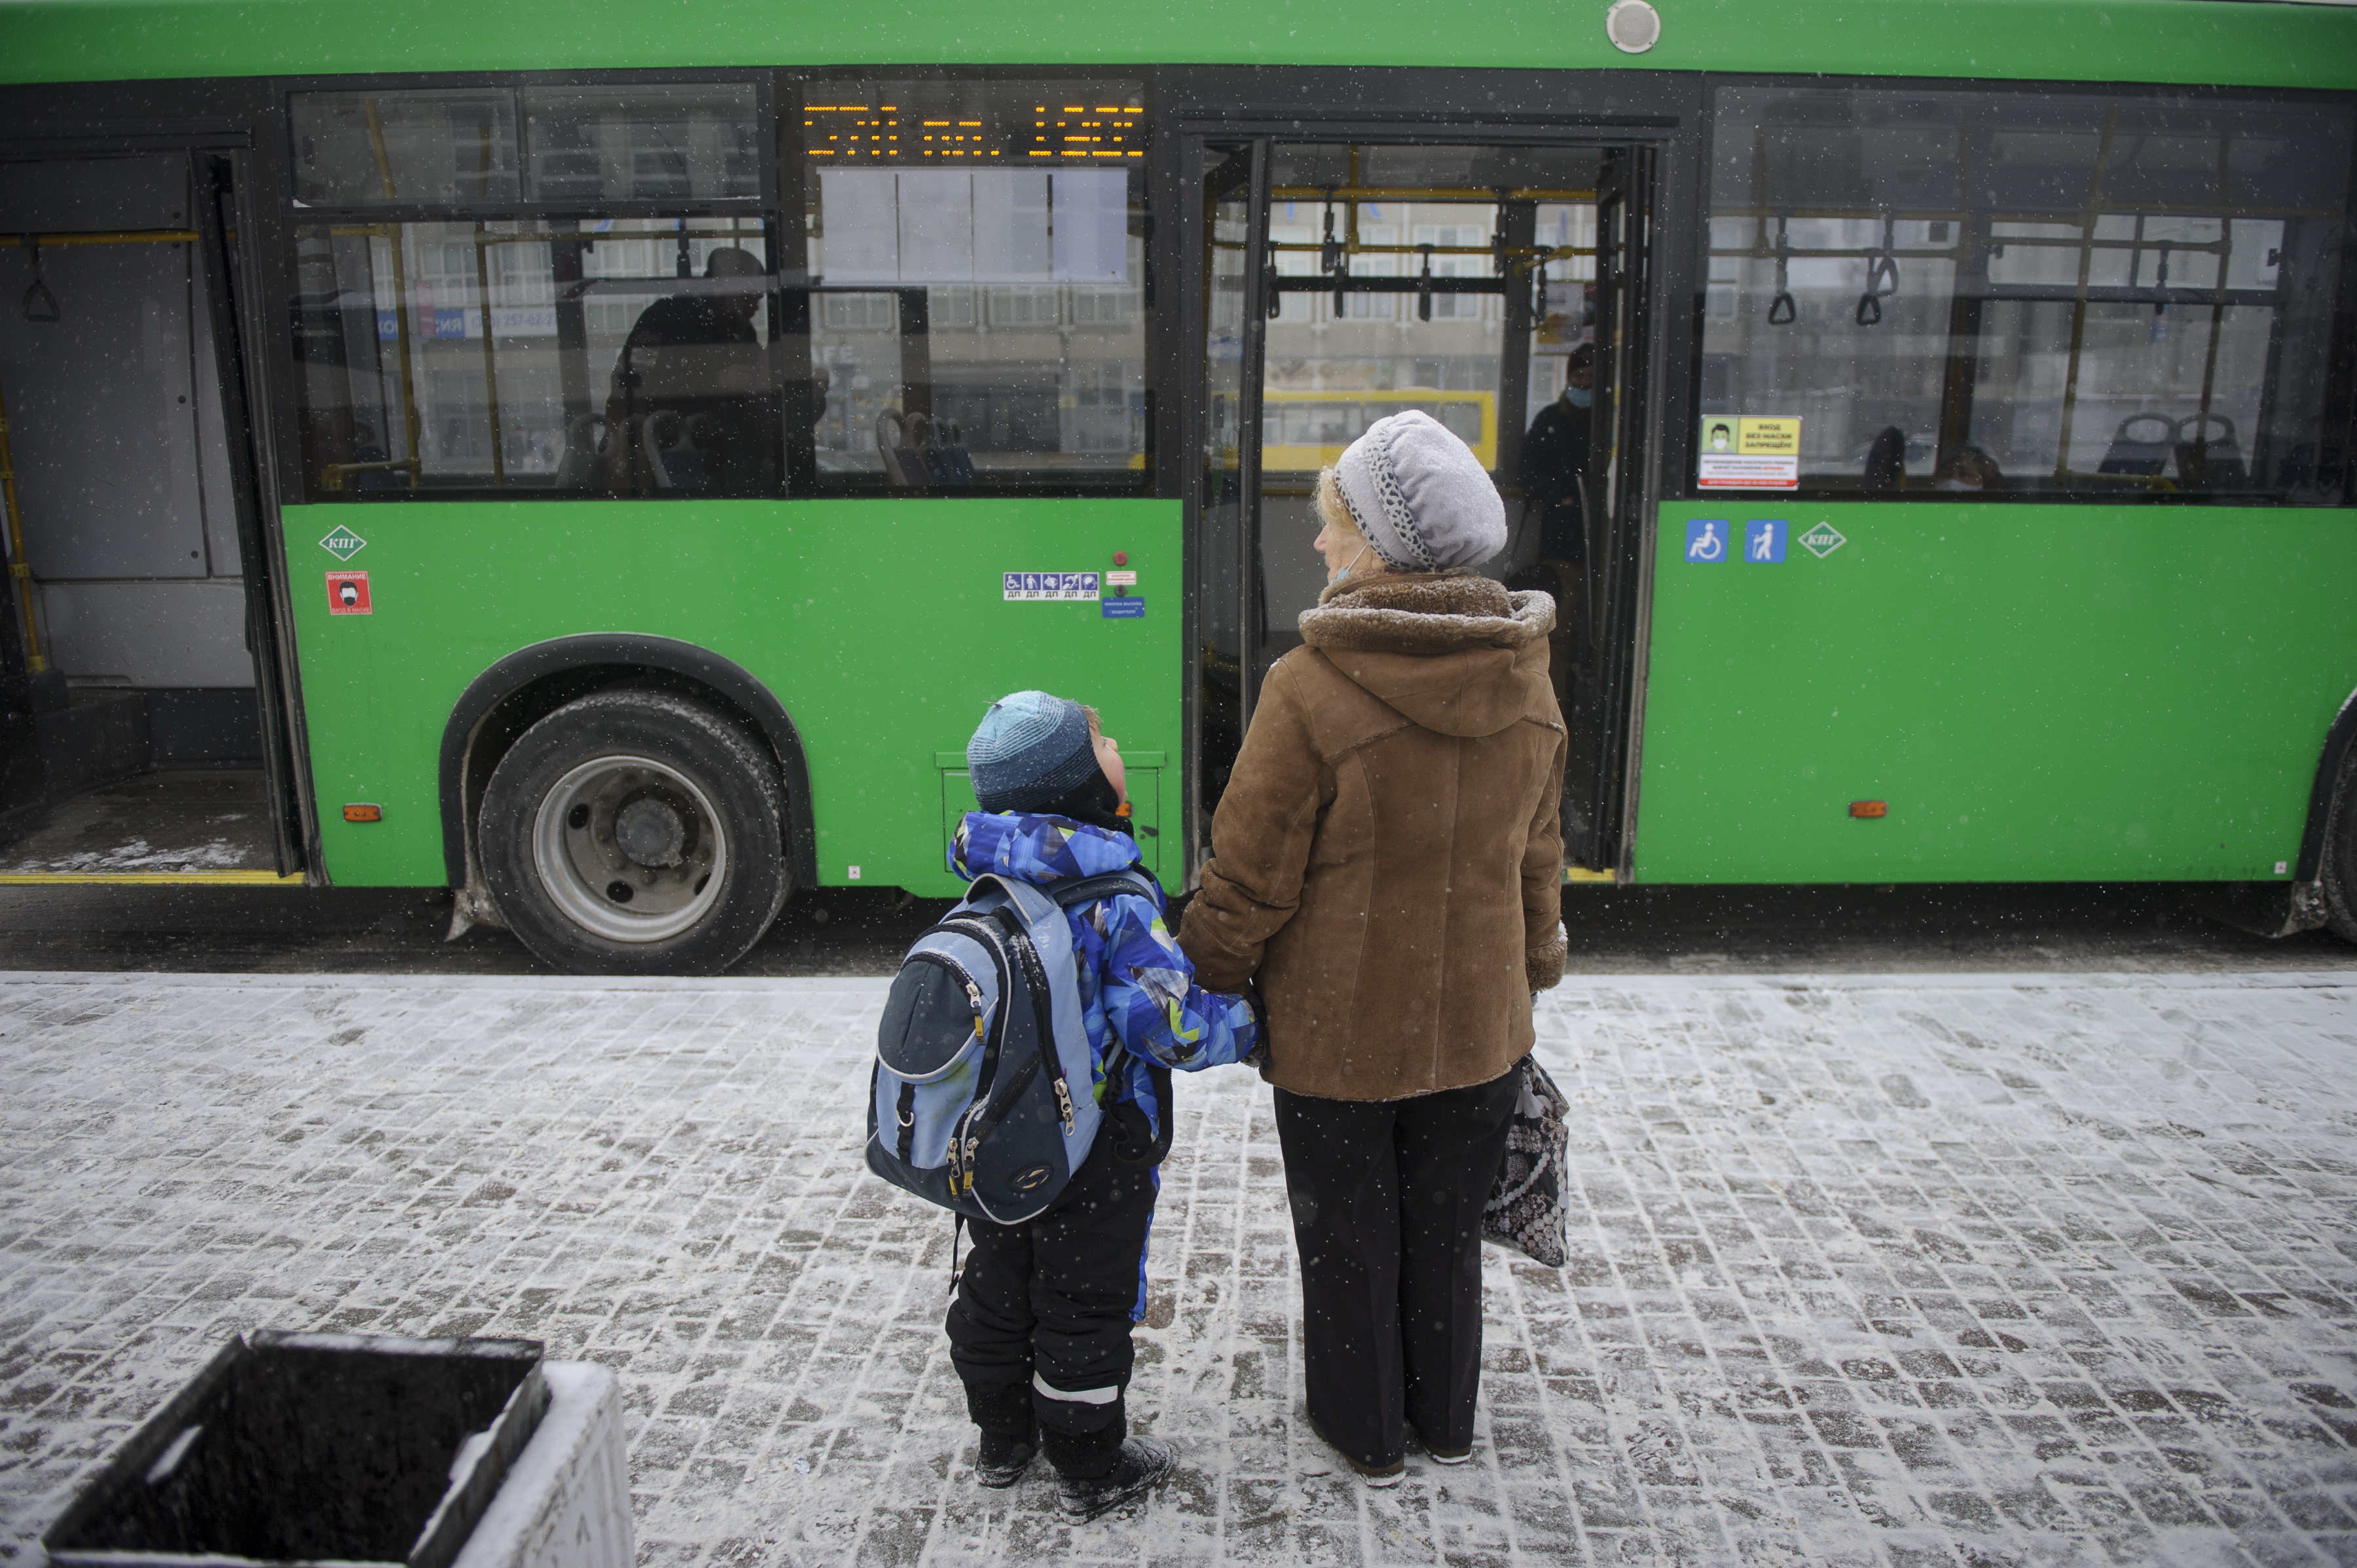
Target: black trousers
x=1387 y=1199
x=1040 y=1328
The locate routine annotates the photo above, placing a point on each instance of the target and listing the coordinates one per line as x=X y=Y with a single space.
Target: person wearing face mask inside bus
x=1964 y=468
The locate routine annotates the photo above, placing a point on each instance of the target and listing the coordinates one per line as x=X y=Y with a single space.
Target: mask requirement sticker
x=1740 y=452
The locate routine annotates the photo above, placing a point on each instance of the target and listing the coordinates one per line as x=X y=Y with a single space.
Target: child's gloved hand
x=1257 y=1058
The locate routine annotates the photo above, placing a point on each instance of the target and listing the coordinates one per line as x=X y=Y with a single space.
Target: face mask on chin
x=1579 y=397
x=1338 y=573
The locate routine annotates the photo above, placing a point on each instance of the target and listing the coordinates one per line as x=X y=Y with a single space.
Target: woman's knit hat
x=1419 y=495
x=1030 y=749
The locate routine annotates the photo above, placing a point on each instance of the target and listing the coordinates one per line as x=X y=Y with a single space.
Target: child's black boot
x=1010 y=1436
x=1138 y=1465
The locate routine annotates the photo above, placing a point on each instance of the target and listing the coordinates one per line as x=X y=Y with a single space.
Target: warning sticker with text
x=348 y=593
x=1747 y=452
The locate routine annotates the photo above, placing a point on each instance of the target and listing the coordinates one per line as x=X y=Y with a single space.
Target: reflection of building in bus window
x=1555 y=461
x=691 y=388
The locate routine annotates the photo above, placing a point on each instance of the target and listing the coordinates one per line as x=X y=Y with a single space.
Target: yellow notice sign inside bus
x=1750 y=452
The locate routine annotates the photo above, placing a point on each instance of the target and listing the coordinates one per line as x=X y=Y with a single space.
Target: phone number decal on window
x=1050 y=585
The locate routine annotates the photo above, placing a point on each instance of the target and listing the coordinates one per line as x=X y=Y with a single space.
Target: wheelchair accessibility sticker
x=1048 y=586
x=1763 y=539
x=1707 y=540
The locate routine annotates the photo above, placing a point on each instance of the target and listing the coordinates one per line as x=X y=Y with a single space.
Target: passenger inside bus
x=691 y=387
x=1964 y=467
x=1555 y=463
x=1885 y=462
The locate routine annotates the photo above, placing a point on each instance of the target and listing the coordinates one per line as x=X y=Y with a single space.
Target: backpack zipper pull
x=1065 y=1104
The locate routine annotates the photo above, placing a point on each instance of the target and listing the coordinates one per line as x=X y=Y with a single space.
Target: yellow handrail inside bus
x=118 y=237
x=19 y=567
x=1357 y=410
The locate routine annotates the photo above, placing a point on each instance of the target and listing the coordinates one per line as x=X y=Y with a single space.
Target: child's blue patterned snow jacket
x=1138 y=994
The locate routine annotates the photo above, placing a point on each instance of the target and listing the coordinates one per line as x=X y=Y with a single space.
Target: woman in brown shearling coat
x=1388 y=863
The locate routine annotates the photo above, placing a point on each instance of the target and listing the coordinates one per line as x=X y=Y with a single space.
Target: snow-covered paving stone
x=1955 y=1270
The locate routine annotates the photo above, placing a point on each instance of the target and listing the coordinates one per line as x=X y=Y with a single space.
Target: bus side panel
x=2036 y=692
x=882 y=626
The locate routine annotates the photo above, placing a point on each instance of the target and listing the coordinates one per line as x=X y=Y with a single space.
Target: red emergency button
x=1120 y=557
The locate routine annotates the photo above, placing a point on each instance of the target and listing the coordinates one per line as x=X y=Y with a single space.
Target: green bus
x=603 y=462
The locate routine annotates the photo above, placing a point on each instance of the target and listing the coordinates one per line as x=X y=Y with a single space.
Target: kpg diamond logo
x=343 y=544
x=348 y=593
x=1823 y=540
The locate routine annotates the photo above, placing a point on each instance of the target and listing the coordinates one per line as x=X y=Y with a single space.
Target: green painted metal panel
x=880 y=626
x=2039 y=692
x=2100 y=40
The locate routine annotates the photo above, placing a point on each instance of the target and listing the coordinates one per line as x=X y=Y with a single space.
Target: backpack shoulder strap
x=1088 y=889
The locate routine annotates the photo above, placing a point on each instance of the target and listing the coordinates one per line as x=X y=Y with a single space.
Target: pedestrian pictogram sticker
x=343 y=544
x=348 y=593
x=1763 y=540
x=1823 y=540
x=1707 y=540
x=1048 y=585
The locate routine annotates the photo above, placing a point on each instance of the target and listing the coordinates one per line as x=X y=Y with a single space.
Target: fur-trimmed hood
x=1447 y=649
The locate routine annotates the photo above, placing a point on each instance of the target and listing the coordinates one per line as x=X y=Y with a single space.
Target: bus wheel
x=2339 y=875
x=635 y=833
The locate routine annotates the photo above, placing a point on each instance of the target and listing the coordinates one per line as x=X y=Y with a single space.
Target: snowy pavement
x=1961 y=1270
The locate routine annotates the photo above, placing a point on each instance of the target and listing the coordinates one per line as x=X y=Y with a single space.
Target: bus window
x=616 y=357
x=2049 y=296
x=976 y=292
x=479 y=146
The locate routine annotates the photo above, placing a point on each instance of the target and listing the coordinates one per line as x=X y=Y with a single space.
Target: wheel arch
x=533 y=682
x=2339 y=739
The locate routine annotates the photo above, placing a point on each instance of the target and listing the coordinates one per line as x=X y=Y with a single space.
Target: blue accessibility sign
x=1707 y=540
x=1763 y=539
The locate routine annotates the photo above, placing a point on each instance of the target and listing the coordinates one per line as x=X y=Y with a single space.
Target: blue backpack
x=983 y=1098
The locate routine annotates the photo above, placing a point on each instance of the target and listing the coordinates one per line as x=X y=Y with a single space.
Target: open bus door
x=1599 y=709
x=1348 y=274
x=148 y=713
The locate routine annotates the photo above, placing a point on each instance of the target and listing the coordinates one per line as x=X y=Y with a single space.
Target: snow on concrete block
x=566 y=1501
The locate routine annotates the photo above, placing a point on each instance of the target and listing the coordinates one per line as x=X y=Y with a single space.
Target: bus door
x=1498 y=288
x=146 y=721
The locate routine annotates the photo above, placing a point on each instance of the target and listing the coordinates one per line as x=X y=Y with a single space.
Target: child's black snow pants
x=1039 y=1329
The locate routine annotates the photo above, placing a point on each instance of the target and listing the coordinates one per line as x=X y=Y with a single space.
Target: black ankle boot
x=1000 y=1460
x=1141 y=1463
x=1009 y=1434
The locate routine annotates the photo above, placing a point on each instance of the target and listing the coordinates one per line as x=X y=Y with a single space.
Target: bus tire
x=2340 y=873
x=635 y=833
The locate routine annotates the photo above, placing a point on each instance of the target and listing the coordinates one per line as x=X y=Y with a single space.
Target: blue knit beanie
x=1029 y=748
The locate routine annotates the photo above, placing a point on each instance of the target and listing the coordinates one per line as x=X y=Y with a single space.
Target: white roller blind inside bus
x=969 y=226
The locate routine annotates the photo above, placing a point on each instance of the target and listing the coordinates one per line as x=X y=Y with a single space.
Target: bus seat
x=2207 y=460
x=584 y=439
x=677 y=462
x=2145 y=456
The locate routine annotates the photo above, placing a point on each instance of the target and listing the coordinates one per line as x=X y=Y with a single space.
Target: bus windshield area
x=2055 y=295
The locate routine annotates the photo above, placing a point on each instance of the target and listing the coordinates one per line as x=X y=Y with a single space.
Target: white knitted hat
x=1420 y=495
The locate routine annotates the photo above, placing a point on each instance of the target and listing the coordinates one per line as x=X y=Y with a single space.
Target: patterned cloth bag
x=1526 y=1208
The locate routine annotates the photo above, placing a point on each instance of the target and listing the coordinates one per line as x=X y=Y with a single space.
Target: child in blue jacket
x=1040 y=1330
